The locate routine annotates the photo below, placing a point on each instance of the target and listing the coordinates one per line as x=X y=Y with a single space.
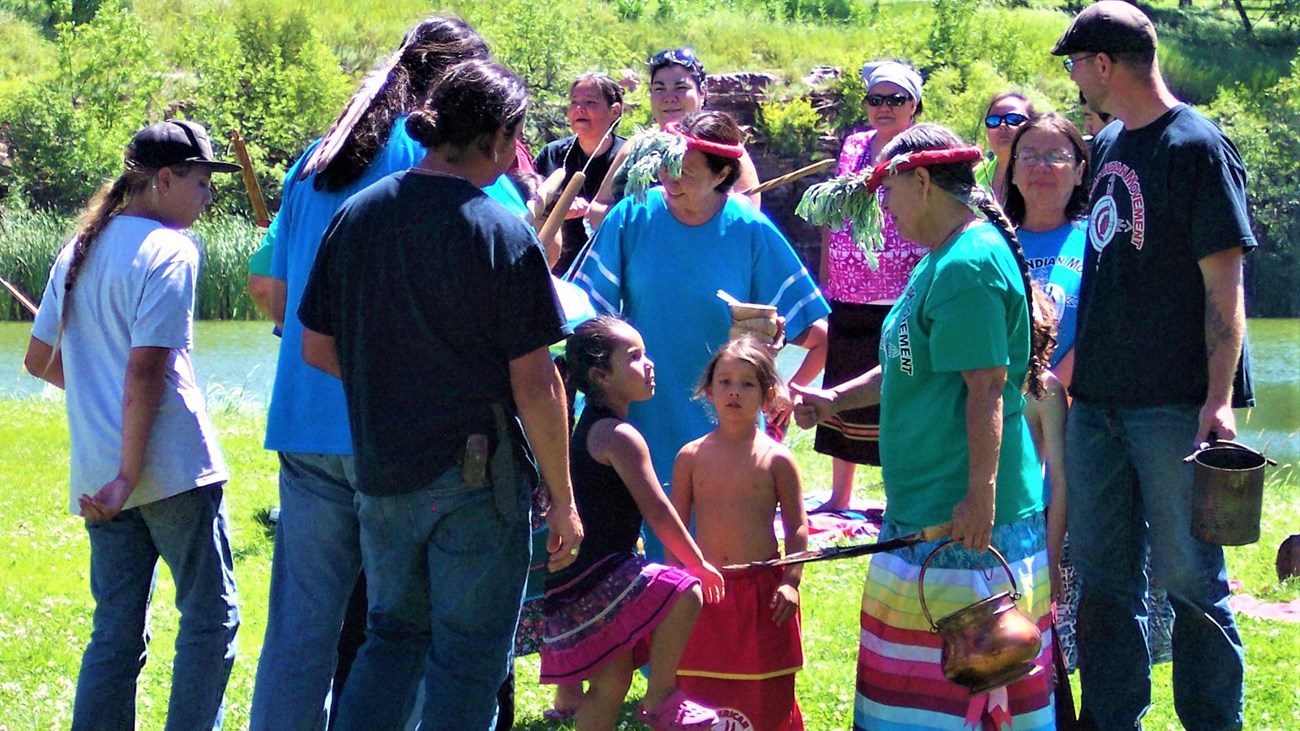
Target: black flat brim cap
x=1110 y=26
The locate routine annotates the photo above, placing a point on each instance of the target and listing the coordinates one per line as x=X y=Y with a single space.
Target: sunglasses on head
x=676 y=57
x=1012 y=119
x=893 y=100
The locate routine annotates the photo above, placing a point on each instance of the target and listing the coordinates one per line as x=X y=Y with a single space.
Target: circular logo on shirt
x=730 y=719
x=1056 y=293
x=1103 y=223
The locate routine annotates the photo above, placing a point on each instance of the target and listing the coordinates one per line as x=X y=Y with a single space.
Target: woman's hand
x=577 y=208
x=812 y=405
x=972 y=521
x=711 y=582
x=785 y=602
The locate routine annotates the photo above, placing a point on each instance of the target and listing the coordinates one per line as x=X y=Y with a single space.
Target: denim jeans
x=190 y=532
x=446 y=574
x=314 y=569
x=1129 y=493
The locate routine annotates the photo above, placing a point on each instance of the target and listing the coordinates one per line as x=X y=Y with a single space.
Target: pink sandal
x=678 y=713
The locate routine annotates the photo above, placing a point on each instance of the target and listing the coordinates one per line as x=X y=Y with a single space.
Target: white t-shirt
x=135 y=289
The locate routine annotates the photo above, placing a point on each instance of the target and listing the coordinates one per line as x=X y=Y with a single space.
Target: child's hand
x=711 y=582
x=785 y=602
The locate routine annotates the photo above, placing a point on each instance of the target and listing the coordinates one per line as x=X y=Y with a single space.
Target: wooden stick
x=562 y=204
x=932 y=533
x=790 y=177
x=18 y=295
x=250 y=181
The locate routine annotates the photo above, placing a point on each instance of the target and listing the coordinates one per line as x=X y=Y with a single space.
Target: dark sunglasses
x=893 y=100
x=677 y=57
x=1013 y=119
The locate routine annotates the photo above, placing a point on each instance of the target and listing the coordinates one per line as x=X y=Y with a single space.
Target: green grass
x=30 y=239
x=45 y=607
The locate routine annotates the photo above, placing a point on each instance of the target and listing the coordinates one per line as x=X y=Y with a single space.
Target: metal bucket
x=1227 y=493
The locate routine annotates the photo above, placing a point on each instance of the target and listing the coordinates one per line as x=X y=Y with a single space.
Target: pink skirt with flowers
x=610 y=608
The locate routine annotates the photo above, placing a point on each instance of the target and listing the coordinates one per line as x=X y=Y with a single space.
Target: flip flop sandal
x=678 y=713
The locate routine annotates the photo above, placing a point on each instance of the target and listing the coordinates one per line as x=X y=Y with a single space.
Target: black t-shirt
x=430 y=288
x=1164 y=197
x=557 y=155
x=609 y=512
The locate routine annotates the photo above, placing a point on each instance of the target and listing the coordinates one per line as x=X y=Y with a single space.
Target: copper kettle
x=988 y=644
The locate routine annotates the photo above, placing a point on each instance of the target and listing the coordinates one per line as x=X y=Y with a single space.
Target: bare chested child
x=745 y=651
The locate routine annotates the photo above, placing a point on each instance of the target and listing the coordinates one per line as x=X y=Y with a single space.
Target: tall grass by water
x=45 y=607
x=29 y=240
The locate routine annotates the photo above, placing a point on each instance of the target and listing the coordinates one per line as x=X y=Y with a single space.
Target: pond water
x=236 y=364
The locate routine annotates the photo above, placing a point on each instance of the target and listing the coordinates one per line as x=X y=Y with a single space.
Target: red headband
x=925 y=158
x=721 y=149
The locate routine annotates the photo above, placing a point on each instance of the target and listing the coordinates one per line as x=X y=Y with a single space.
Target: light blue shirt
x=1056 y=262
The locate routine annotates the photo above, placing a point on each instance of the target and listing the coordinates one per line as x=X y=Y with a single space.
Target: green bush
x=261 y=69
x=1252 y=120
x=790 y=128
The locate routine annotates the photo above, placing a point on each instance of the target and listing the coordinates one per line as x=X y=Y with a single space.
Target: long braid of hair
x=103 y=206
x=1041 y=339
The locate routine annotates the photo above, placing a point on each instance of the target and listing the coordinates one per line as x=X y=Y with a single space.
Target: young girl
x=745 y=651
x=146 y=472
x=610 y=611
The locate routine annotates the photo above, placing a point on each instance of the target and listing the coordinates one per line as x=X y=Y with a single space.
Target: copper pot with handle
x=988 y=644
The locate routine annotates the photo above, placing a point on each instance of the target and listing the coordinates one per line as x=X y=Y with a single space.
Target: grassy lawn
x=45 y=606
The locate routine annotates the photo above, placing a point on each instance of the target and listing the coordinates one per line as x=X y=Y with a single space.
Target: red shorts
x=741 y=662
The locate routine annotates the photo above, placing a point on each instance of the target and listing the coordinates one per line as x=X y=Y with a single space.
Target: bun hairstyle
x=1077 y=206
x=958 y=180
x=429 y=48
x=591 y=346
x=472 y=100
x=715 y=127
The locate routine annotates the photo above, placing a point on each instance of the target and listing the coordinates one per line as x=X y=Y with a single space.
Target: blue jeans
x=446 y=574
x=1130 y=492
x=190 y=532
x=316 y=563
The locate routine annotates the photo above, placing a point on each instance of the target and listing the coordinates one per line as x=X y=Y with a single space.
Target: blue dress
x=663 y=275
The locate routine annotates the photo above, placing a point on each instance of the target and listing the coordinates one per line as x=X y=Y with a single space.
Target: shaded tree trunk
x=1245 y=19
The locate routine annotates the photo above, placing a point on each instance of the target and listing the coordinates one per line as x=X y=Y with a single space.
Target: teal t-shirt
x=963 y=309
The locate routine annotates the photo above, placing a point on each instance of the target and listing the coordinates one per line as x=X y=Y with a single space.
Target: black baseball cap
x=175 y=142
x=1110 y=26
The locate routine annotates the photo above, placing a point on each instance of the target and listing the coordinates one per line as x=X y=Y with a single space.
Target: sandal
x=678 y=713
x=555 y=715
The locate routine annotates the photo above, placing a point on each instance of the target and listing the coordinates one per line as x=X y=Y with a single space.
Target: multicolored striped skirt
x=900 y=684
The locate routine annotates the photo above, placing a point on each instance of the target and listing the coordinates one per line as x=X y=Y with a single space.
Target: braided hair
x=104 y=205
x=958 y=180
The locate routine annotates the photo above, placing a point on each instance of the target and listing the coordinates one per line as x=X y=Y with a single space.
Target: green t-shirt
x=963 y=309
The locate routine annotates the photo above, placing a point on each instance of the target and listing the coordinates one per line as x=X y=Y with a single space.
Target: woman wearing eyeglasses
x=676 y=90
x=861 y=296
x=1002 y=119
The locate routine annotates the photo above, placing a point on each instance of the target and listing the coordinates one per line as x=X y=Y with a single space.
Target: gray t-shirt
x=135 y=289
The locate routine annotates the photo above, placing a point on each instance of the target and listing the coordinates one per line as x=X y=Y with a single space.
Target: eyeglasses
x=893 y=100
x=1069 y=63
x=677 y=57
x=1054 y=158
x=1012 y=119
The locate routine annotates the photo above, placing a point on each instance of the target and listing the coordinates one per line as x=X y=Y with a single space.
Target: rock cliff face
x=739 y=94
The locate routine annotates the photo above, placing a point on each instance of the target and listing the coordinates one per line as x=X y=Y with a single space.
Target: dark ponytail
x=590 y=346
x=428 y=50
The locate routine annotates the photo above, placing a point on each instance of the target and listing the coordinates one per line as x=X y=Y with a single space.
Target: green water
x=236 y=364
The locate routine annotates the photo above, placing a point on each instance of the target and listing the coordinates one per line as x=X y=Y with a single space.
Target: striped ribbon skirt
x=900 y=684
